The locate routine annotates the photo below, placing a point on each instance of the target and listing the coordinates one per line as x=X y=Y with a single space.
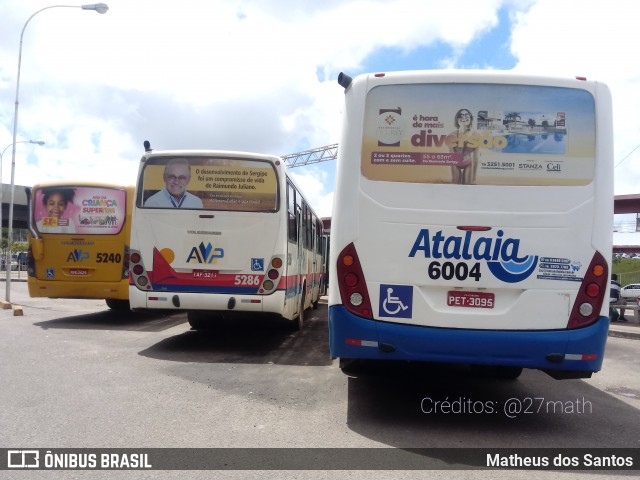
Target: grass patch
x=627 y=269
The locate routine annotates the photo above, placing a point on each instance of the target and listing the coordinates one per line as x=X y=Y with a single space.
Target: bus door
x=301 y=267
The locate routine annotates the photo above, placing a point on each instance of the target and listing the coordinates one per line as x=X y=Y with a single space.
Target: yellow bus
x=79 y=241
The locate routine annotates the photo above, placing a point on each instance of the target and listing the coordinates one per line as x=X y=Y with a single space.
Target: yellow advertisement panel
x=210 y=183
x=87 y=210
x=482 y=134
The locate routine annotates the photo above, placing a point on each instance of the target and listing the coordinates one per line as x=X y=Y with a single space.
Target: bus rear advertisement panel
x=220 y=183
x=473 y=221
x=533 y=135
x=84 y=210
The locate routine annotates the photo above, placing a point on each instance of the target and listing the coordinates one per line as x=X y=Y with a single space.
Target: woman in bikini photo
x=461 y=142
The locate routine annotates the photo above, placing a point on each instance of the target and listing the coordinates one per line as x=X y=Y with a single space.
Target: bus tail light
x=353 y=288
x=272 y=277
x=137 y=272
x=593 y=288
x=273 y=274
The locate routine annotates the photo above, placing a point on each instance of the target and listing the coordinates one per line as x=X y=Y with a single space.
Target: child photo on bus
x=55 y=202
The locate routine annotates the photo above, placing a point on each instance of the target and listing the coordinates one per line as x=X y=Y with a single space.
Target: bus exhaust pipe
x=344 y=80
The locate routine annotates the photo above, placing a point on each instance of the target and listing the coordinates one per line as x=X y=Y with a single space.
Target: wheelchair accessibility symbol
x=257 y=264
x=396 y=301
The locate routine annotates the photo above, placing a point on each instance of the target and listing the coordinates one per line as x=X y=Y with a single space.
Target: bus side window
x=291 y=208
x=314 y=243
x=306 y=225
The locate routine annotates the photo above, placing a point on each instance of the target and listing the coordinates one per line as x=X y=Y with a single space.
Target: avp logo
x=501 y=254
x=77 y=256
x=205 y=254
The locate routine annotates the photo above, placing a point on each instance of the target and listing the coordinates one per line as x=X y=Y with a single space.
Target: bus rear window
x=479 y=134
x=82 y=210
x=208 y=183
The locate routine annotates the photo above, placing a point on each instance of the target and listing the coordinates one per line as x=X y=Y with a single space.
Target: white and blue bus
x=222 y=234
x=472 y=221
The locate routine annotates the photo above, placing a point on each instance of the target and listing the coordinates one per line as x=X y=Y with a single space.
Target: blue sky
x=490 y=49
x=481 y=53
x=260 y=75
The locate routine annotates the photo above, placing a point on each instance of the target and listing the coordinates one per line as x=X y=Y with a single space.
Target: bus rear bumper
x=578 y=350
x=75 y=289
x=207 y=302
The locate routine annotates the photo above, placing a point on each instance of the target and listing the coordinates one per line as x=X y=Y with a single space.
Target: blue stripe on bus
x=524 y=348
x=161 y=288
x=290 y=291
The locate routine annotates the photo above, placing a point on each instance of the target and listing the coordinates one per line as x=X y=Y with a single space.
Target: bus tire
x=118 y=305
x=508 y=373
x=347 y=365
x=497 y=371
x=356 y=367
x=299 y=324
x=197 y=320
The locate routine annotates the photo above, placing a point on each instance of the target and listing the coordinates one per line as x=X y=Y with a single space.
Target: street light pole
x=37 y=142
x=98 y=7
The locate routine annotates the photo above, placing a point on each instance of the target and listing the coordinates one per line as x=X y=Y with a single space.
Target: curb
x=625 y=334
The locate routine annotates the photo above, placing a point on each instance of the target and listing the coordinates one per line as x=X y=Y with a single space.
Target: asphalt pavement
x=629 y=329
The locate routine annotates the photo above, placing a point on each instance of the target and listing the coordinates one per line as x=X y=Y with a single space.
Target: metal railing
x=629 y=277
x=19 y=274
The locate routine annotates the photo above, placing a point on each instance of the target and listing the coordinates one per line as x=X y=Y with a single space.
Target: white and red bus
x=472 y=221
x=220 y=234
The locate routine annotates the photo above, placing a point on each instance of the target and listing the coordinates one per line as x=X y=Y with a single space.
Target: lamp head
x=98 y=7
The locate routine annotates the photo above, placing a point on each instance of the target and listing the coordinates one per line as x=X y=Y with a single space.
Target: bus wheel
x=497 y=371
x=119 y=305
x=300 y=323
x=347 y=365
x=355 y=367
x=508 y=373
x=197 y=320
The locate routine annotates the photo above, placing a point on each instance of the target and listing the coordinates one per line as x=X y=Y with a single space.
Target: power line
x=627 y=156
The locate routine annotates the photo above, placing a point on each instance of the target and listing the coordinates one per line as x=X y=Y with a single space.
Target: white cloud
x=260 y=75
x=591 y=39
x=313 y=183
